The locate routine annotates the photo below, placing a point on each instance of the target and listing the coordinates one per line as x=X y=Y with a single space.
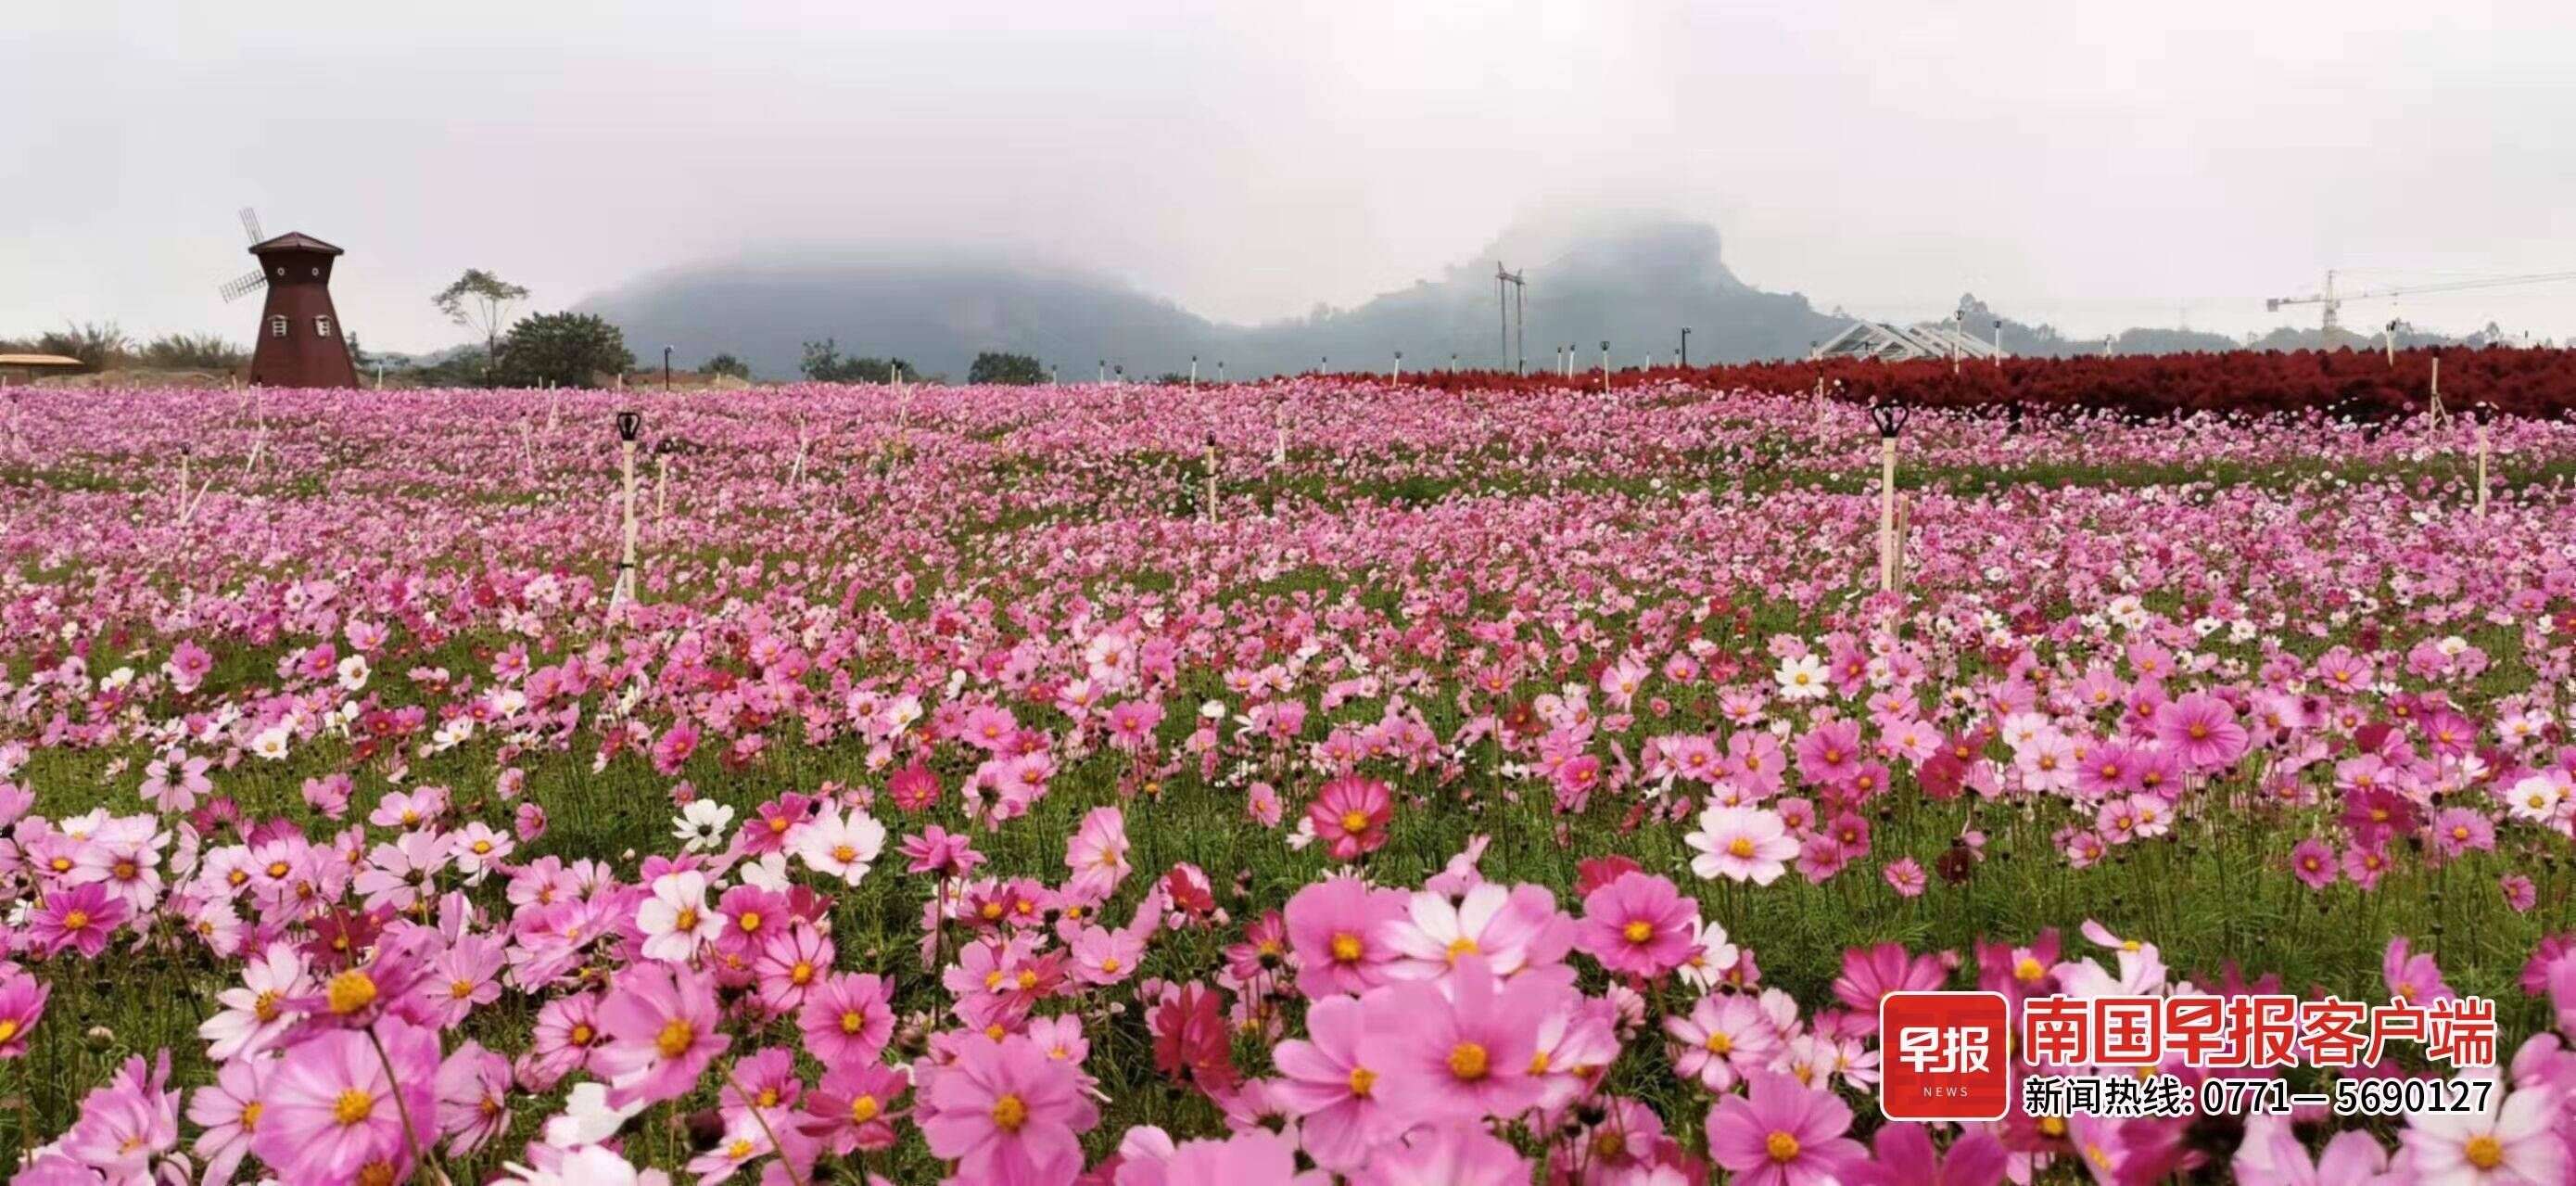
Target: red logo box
x=1944 y=1056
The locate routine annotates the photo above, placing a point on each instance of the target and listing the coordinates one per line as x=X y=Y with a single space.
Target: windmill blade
x=244 y=284
x=250 y=223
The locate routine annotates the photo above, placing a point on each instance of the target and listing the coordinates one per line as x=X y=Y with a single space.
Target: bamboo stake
x=797 y=478
x=661 y=482
x=2436 y=409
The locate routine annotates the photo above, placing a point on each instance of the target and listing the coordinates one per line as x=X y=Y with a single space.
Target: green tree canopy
x=481 y=301
x=569 y=349
x=824 y=364
x=1018 y=370
x=725 y=364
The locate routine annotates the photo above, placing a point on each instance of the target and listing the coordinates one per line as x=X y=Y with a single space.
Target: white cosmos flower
x=1802 y=678
x=675 y=920
x=1741 y=844
x=270 y=743
x=702 y=825
x=843 y=846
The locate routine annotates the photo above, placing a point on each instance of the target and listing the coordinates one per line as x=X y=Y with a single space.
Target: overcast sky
x=2091 y=164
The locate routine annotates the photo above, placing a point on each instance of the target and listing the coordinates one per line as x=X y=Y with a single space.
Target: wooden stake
x=661 y=483
x=797 y=478
x=2436 y=409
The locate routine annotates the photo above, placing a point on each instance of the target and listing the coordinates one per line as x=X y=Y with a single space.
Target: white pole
x=661 y=484
x=1194 y=372
x=2436 y=408
x=1605 y=364
x=180 y=505
x=627 y=585
x=1887 y=514
x=1211 y=477
x=1399 y=366
x=2482 y=469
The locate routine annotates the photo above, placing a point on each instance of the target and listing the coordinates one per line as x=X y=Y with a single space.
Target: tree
x=725 y=364
x=481 y=300
x=194 y=352
x=823 y=364
x=569 y=349
x=1018 y=370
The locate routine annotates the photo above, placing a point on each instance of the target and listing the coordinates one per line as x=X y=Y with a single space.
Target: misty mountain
x=1634 y=281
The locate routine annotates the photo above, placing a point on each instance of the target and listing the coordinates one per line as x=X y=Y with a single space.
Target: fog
x=2093 y=165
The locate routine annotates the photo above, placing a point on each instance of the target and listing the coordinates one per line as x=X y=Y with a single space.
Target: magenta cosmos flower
x=1339 y=931
x=22 y=1002
x=1638 y=924
x=332 y=1112
x=1007 y=1114
x=660 y=1025
x=1783 y=1134
x=1351 y=814
x=2202 y=730
x=1467 y=1052
x=1327 y=1081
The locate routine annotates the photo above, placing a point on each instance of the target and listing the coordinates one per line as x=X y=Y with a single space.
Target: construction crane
x=2333 y=301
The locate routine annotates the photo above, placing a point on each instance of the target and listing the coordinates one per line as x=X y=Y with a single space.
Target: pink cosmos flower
x=1723 y=1037
x=227 y=1114
x=2514 y=1141
x=1512 y=928
x=660 y=1025
x=1458 y=1154
x=1341 y=932
x=22 y=1003
x=846 y=1018
x=855 y=1107
x=1901 y=1155
x=474 y=1090
x=1638 y=925
x=2272 y=1155
x=1005 y=1113
x=2412 y=975
x=1783 y=1134
x=2202 y=730
x=1870 y=974
x=1326 y=1080
x=1254 y=1158
x=125 y=1126
x=1905 y=875
x=333 y=1110
x=77 y=918
x=1464 y=1053
x=2314 y=864
x=1351 y=814
x=1741 y=844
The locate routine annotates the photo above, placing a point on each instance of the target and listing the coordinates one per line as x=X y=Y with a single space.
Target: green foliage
x=824 y=364
x=193 y=352
x=1018 y=370
x=725 y=364
x=565 y=349
x=479 y=300
x=98 y=344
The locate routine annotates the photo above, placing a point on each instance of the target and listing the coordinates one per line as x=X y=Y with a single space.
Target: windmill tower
x=300 y=342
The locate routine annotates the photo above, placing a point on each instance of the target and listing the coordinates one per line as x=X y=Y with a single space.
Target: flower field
x=1304 y=782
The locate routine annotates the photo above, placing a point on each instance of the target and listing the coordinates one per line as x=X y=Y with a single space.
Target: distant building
x=1887 y=341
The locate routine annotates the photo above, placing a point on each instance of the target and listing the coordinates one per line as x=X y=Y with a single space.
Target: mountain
x=1634 y=279
x=1587 y=280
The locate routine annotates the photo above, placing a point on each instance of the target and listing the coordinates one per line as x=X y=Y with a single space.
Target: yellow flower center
x=250 y=1115
x=1539 y=1063
x=75 y=920
x=353 y=1106
x=1638 y=931
x=581 y=1035
x=675 y=1038
x=864 y=1109
x=687 y=919
x=1027 y=980
x=1363 y=1081
x=2483 y=1151
x=1467 y=1060
x=1009 y=1113
x=460 y=989
x=2054 y=1126
x=750 y=920
x=844 y=853
x=1109 y=963
x=8 y=1029
x=853 y=1021
x=1720 y=1043
x=1782 y=1147
x=1740 y=848
x=376 y=1173
x=802 y=973
x=350 y=991
x=1346 y=947
x=2028 y=970
x=1460 y=946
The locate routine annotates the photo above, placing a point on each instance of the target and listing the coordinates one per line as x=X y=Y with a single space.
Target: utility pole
x=1605 y=364
x=1514 y=343
x=1194 y=372
x=1684 y=356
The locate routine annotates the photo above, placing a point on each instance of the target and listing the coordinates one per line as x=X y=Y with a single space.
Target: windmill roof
x=294 y=241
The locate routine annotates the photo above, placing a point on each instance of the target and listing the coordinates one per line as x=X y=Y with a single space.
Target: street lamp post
x=666 y=370
x=1685 y=354
x=1605 y=364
